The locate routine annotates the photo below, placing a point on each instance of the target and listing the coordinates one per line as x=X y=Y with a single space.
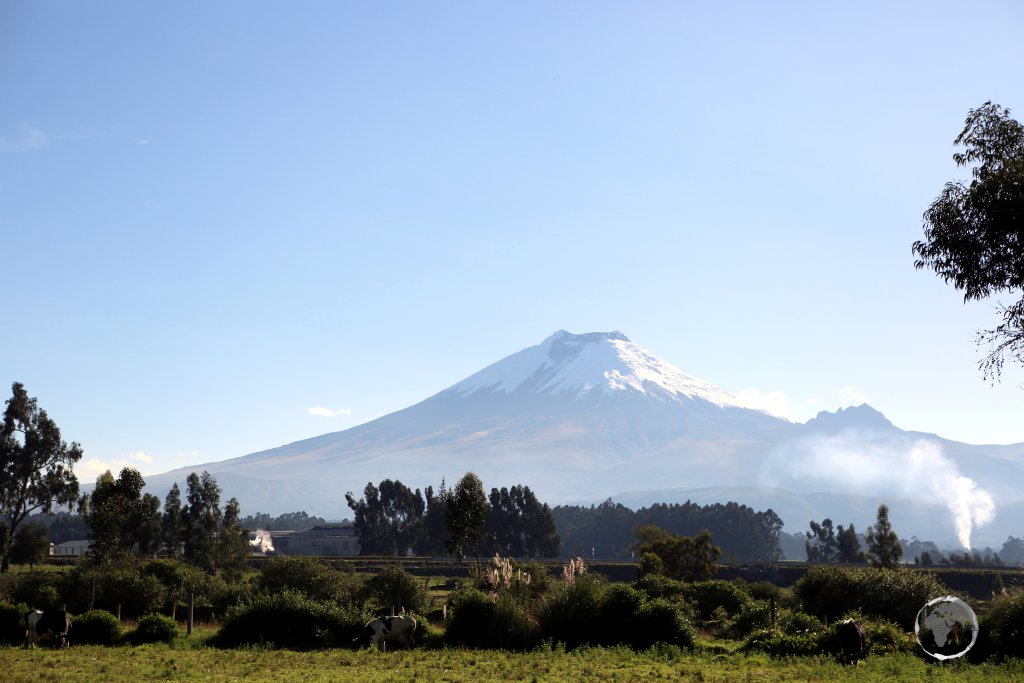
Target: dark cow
x=851 y=640
x=400 y=629
x=53 y=625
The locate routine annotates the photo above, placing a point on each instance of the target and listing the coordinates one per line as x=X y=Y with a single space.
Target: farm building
x=70 y=548
x=326 y=539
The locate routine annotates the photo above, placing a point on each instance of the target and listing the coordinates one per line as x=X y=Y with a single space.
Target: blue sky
x=215 y=217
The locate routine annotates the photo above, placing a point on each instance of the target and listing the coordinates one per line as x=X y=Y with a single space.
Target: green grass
x=191 y=661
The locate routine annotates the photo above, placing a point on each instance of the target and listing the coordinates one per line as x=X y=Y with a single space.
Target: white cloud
x=775 y=402
x=329 y=412
x=140 y=456
x=840 y=398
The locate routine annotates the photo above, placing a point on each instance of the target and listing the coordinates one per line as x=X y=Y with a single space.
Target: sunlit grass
x=190 y=660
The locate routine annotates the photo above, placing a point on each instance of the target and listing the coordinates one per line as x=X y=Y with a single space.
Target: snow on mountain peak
x=583 y=363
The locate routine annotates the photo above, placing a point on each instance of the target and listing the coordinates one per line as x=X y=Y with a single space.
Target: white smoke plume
x=918 y=470
x=262 y=541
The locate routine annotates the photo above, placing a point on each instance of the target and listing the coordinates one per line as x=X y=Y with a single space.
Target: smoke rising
x=262 y=541
x=863 y=464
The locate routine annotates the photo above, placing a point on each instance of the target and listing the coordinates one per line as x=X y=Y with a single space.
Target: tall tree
x=884 y=549
x=974 y=234
x=848 y=545
x=121 y=518
x=822 y=546
x=388 y=519
x=435 y=530
x=30 y=545
x=233 y=547
x=36 y=466
x=202 y=516
x=686 y=558
x=466 y=515
x=173 y=522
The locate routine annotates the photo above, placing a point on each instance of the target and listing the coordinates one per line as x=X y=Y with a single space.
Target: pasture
x=184 y=661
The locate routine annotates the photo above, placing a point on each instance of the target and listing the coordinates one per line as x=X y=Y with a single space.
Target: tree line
x=607 y=530
x=392 y=519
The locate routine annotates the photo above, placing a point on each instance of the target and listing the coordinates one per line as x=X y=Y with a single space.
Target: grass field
x=190 y=662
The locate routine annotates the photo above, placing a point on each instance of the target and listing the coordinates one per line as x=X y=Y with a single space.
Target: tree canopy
x=35 y=466
x=884 y=549
x=974 y=233
x=122 y=519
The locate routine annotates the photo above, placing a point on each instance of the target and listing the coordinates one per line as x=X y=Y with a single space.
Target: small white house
x=70 y=548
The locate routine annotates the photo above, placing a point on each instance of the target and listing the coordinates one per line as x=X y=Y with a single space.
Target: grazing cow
x=53 y=625
x=400 y=629
x=852 y=641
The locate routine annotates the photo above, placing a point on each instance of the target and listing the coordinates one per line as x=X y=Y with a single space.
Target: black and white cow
x=53 y=625
x=851 y=640
x=400 y=629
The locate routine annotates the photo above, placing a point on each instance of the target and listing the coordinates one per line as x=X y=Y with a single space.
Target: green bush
x=707 y=597
x=890 y=594
x=658 y=586
x=779 y=644
x=570 y=612
x=39 y=590
x=619 y=618
x=96 y=627
x=290 y=620
x=154 y=628
x=12 y=623
x=307 y=575
x=1001 y=631
x=663 y=622
x=395 y=587
x=753 y=616
x=476 y=620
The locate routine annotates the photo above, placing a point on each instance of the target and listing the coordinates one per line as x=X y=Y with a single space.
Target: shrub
x=779 y=644
x=570 y=612
x=709 y=596
x=96 y=627
x=395 y=587
x=753 y=616
x=39 y=590
x=290 y=620
x=620 y=615
x=477 y=619
x=663 y=622
x=306 y=575
x=891 y=594
x=1001 y=630
x=658 y=586
x=155 y=628
x=12 y=623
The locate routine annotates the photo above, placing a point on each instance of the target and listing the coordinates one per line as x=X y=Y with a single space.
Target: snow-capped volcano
x=584 y=417
x=579 y=364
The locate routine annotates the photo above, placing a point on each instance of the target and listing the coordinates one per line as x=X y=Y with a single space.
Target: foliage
x=569 y=613
x=822 y=546
x=126 y=588
x=682 y=557
x=122 y=520
x=606 y=530
x=884 y=549
x=95 y=627
x=1001 y=627
x=477 y=619
x=30 y=545
x=892 y=594
x=35 y=466
x=709 y=597
x=154 y=628
x=310 y=577
x=290 y=620
x=12 y=623
x=388 y=518
x=520 y=525
x=201 y=519
x=974 y=234
x=39 y=590
x=232 y=547
x=173 y=522
x=289 y=521
x=394 y=587
x=177 y=578
x=467 y=511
